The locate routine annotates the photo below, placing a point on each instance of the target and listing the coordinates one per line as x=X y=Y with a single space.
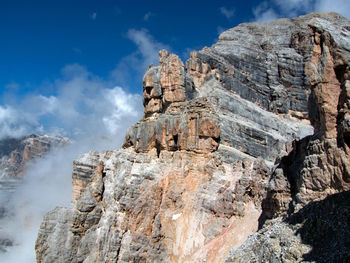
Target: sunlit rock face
x=245 y=133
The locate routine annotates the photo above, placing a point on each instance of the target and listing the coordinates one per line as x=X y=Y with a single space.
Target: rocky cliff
x=15 y=154
x=250 y=134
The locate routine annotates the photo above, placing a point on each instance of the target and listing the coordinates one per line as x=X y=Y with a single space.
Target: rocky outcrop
x=15 y=154
x=248 y=132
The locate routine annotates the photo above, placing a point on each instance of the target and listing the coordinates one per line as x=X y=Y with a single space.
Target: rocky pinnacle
x=236 y=149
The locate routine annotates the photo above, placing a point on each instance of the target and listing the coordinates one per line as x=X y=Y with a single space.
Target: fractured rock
x=249 y=132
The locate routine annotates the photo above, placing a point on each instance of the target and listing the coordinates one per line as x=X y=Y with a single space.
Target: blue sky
x=75 y=68
x=39 y=38
x=49 y=49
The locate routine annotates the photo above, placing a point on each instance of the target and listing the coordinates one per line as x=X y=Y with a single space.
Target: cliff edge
x=248 y=135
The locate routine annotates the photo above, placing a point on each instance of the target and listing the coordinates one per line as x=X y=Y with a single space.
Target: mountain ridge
x=244 y=134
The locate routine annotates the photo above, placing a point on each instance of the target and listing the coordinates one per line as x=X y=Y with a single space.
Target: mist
x=47 y=184
x=93 y=112
x=86 y=110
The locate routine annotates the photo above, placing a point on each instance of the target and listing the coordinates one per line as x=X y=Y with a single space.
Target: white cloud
x=264 y=13
x=93 y=16
x=147 y=46
x=84 y=104
x=147 y=16
x=227 y=12
x=123 y=107
x=340 y=6
x=85 y=108
x=14 y=123
x=81 y=107
x=94 y=111
x=270 y=10
x=138 y=61
x=47 y=183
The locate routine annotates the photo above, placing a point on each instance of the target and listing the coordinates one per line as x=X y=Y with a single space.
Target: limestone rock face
x=246 y=133
x=15 y=153
x=165 y=84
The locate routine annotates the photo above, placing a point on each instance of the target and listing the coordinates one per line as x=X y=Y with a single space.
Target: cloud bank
x=83 y=103
x=83 y=106
x=15 y=124
x=85 y=109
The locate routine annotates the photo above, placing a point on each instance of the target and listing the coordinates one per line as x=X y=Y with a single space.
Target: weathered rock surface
x=247 y=132
x=15 y=153
x=320 y=232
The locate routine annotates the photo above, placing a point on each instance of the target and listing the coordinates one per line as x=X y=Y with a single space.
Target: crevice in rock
x=291 y=166
x=158 y=147
x=343 y=137
x=128 y=141
x=148 y=90
x=103 y=185
x=293 y=163
x=314 y=113
x=217 y=139
x=146 y=101
x=176 y=137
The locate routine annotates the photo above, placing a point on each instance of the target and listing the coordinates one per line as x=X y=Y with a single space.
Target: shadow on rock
x=325 y=225
x=283 y=185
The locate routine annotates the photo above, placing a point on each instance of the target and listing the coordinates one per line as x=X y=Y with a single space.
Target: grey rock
x=15 y=154
x=241 y=138
x=317 y=233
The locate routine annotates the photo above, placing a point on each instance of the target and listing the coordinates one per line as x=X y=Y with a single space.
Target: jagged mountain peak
x=244 y=134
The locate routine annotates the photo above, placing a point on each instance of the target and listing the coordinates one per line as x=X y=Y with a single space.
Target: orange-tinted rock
x=185 y=130
x=208 y=128
x=321 y=70
x=195 y=180
x=21 y=151
x=154 y=105
x=164 y=84
x=198 y=69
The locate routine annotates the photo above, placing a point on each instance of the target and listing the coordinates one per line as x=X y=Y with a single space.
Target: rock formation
x=239 y=139
x=15 y=153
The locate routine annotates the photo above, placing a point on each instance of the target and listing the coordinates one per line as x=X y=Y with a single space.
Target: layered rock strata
x=15 y=153
x=245 y=133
